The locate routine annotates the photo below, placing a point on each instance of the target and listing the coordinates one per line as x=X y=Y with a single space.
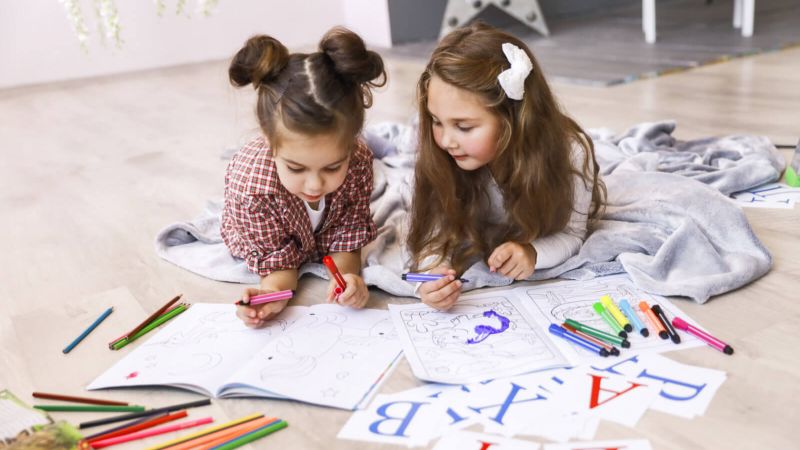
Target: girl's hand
x=257 y=316
x=443 y=293
x=355 y=296
x=513 y=259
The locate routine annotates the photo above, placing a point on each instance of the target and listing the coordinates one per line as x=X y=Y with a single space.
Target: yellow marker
x=618 y=316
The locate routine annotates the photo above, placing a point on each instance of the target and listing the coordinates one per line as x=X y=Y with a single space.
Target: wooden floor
x=92 y=170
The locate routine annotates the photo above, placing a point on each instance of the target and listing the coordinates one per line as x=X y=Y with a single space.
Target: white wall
x=370 y=19
x=38 y=45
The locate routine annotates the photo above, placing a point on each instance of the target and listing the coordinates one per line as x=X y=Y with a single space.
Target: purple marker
x=702 y=335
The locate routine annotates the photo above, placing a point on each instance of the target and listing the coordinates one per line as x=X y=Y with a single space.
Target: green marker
x=606 y=316
x=599 y=334
x=793 y=170
x=90 y=408
x=161 y=319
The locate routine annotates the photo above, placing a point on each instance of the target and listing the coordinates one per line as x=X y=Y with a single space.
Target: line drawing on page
x=483 y=336
x=572 y=299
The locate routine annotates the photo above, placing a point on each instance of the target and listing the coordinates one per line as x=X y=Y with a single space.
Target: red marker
x=328 y=261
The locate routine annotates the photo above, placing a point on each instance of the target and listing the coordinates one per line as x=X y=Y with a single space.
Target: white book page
x=198 y=350
x=484 y=336
x=573 y=299
x=332 y=355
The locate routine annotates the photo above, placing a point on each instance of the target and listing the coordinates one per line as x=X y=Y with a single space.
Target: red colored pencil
x=140 y=426
x=145 y=434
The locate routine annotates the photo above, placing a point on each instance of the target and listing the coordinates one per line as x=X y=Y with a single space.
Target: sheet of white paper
x=620 y=444
x=324 y=354
x=771 y=195
x=397 y=419
x=484 y=336
x=606 y=395
x=686 y=390
x=331 y=355
x=468 y=440
x=571 y=299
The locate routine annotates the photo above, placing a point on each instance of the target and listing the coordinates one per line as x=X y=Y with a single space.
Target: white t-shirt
x=315 y=215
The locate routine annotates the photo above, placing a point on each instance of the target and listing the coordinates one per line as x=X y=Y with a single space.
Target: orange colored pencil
x=214 y=439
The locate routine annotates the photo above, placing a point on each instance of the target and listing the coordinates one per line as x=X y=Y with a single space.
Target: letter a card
x=605 y=395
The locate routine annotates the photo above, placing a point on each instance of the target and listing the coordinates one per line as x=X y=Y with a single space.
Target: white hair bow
x=512 y=80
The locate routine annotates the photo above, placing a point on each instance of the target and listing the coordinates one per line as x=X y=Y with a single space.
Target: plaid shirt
x=269 y=227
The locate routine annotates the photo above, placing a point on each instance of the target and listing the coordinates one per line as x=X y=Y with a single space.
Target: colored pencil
x=154 y=324
x=153 y=316
x=224 y=438
x=86 y=332
x=149 y=412
x=71 y=398
x=146 y=423
x=90 y=408
x=154 y=432
x=252 y=436
x=223 y=435
x=207 y=431
x=123 y=336
x=123 y=426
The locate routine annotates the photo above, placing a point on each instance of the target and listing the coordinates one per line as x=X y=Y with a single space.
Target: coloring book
x=503 y=332
x=324 y=354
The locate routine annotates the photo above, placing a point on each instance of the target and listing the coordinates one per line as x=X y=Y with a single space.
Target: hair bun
x=260 y=61
x=350 y=56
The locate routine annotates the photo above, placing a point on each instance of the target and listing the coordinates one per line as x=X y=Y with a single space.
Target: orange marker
x=651 y=317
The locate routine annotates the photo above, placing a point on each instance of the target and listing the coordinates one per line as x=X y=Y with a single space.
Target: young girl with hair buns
x=301 y=191
x=503 y=175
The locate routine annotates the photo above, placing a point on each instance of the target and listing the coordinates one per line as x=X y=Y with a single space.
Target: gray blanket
x=667 y=223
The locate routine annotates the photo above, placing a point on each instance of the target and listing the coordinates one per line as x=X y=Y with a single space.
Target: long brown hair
x=532 y=166
x=311 y=94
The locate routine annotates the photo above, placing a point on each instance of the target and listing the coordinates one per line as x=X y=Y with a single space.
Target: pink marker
x=266 y=298
x=682 y=325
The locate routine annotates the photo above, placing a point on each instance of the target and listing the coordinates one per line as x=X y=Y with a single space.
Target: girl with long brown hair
x=503 y=175
x=302 y=190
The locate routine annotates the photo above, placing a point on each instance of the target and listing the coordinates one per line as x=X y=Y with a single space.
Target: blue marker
x=88 y=330
x=577 y=340
x=640 y=327
x=423 y=277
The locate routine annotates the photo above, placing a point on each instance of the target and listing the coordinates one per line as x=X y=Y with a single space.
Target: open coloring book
x=323 y=354
x=502 y=333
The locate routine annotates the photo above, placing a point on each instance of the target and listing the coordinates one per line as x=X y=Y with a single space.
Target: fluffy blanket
x=669 y=223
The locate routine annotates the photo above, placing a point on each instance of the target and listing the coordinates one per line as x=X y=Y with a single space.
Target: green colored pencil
x=160 y=320
x=252 y=436
x=90 y=408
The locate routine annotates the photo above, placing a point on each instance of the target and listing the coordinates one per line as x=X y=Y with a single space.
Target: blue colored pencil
x=88 y=330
